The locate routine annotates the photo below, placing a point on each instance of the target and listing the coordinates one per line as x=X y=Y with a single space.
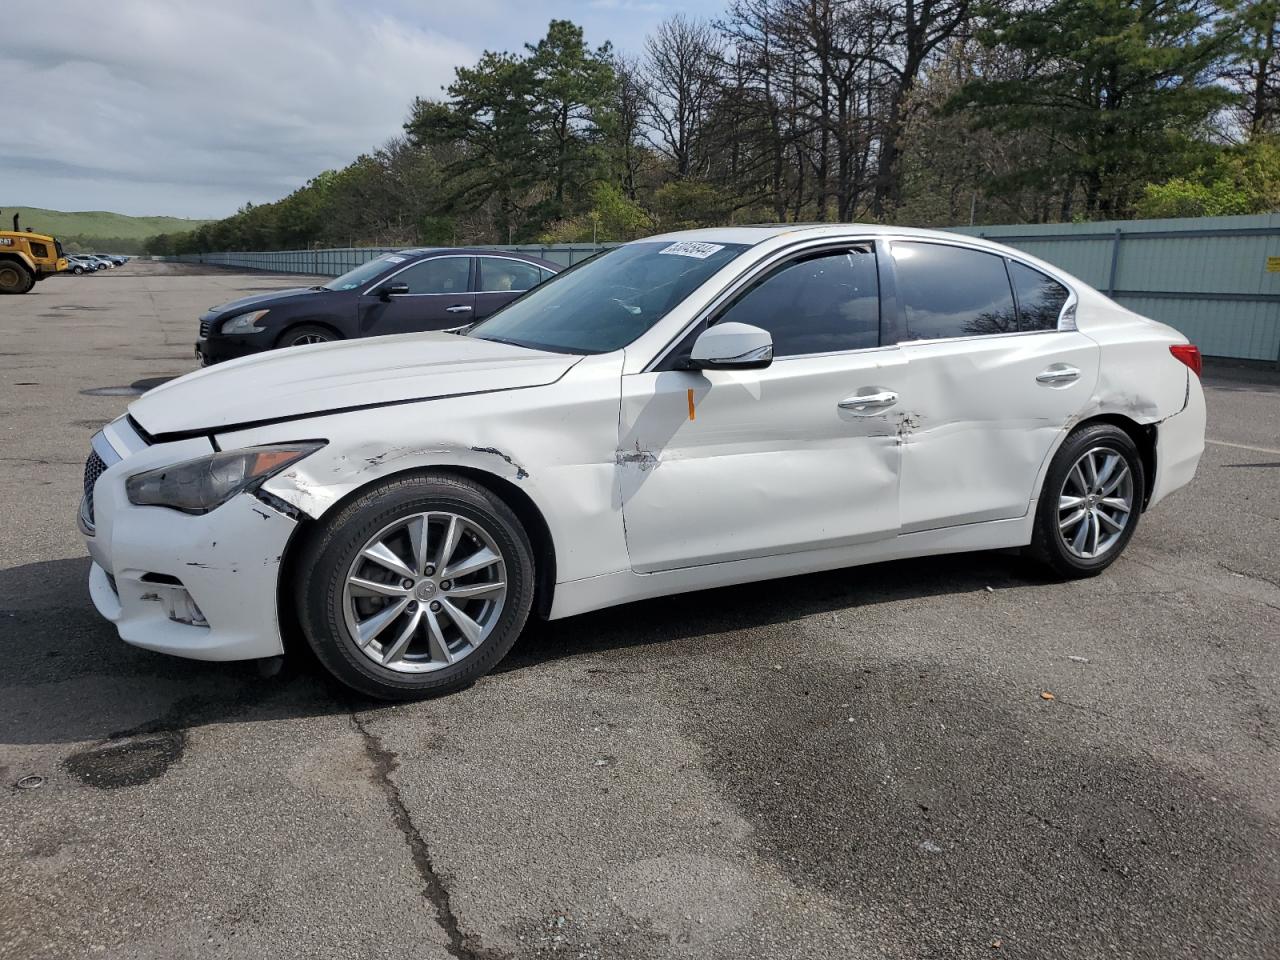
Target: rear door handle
x=462 y=309
x=1058 y=373
x=868 y=402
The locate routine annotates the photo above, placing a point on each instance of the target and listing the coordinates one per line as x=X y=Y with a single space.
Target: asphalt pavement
x=857 y=764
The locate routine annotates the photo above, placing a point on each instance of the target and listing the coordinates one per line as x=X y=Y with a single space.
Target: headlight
x=200 y=485
x=245 y=323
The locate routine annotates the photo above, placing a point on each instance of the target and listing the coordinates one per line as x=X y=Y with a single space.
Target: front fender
x=555 y=443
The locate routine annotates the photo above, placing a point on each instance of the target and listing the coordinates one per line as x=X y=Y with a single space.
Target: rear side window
x=440 y=275
x=952 y=291
x=499 y=275
x=822 y=304
x=1040 y=298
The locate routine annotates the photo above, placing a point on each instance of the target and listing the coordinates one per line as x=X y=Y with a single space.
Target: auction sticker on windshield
x=692 y=248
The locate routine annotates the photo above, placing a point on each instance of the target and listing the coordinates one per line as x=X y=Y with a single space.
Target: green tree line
x=918 y=112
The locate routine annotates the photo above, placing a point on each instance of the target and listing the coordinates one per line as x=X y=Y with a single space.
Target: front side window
x=605 y=303
x=950 y=291
x=438 y=275
x=825 y=303
x=1040 y=298
x=365 y=273
x=499 y=275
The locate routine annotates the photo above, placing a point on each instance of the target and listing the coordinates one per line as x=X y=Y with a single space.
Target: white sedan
x=682 y=412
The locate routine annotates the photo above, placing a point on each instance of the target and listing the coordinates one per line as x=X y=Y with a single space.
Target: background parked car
x=403 y=292
x=79 y=263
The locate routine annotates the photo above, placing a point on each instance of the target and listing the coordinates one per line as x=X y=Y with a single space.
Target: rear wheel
x=1090 y=503
x=15 y=277
x=417 y=588
x=306 y=333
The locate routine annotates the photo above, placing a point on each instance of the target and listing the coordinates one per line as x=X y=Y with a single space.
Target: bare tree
x=681 y=75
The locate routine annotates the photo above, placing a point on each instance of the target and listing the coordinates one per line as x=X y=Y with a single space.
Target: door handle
x=1058 y=373
x=868 y=402
x=457 y=310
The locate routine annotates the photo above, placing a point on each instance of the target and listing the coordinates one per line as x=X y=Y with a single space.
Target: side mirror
x=392 y=289
x=732 y=346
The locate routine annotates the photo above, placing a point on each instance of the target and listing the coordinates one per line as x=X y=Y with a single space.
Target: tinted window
x=439 y=275
x=952 y=292
x=498 y=275
x=816 y=305
x=604 y=303
x=1040 y=298
x=364 y=273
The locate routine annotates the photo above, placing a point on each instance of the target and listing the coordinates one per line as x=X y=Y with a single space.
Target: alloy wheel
x=309 y=338
x=424 y=592
x=1095 y=503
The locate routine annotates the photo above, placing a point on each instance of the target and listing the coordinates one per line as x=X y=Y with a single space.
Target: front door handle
x=1058 y=373
x=868 y=402
x=461 y=309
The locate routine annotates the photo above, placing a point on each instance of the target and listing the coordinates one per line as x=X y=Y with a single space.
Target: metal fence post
x=1115 y=263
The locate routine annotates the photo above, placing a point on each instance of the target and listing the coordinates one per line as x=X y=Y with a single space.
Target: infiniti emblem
x=425 y=590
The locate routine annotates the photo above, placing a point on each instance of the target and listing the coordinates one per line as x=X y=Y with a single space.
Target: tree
x=572 y=87
x=1254 y=70
x=681 y=84
x=1119 y=88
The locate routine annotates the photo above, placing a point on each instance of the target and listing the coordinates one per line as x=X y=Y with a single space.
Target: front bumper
x=203 y=586
x=217 y=349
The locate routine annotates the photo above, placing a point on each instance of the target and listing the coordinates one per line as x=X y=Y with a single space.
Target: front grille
x=94 y=467
x=204 y=329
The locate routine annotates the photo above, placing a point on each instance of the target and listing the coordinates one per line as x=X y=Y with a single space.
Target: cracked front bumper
x=148 y=560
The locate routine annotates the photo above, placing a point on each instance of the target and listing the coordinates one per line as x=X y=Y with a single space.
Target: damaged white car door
x=726 y=463
x=993 y=380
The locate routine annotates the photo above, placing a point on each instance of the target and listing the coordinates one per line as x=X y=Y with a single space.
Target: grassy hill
x=95 y=224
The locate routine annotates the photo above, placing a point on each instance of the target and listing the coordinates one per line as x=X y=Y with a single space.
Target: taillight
x=1189 y=354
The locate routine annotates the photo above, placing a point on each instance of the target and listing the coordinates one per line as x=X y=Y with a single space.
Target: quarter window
x=952 y=291
x=498 y=275
x=821 y=304
x=1040 y=298
x=439 y=275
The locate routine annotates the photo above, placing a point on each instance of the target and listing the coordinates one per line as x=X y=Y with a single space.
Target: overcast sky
x=190 y=108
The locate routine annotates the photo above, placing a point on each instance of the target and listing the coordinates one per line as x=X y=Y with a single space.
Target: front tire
x=306 y=333
x=1090 y=503
x=417 y=588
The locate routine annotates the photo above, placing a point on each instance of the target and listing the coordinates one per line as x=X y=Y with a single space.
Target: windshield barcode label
x=692 y=248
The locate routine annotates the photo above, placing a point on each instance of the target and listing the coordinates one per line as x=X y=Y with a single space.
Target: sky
x=191 y=108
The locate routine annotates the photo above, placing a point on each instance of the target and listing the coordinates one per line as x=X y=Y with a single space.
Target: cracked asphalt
x=856 y=764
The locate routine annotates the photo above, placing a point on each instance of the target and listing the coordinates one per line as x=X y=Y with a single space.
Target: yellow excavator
x=26 y=258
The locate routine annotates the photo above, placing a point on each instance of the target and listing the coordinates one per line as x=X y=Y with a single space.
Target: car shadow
x=68 y=678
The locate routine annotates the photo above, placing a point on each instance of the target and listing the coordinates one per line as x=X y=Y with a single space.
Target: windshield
x=606 y=302
x=364 y=273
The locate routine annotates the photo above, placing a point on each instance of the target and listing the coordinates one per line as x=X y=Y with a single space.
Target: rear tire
x=306 y=333
x=402 y=634
x=1090 y=503
x=15 y=277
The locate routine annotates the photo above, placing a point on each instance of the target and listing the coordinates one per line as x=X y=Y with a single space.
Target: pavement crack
x=385 y=763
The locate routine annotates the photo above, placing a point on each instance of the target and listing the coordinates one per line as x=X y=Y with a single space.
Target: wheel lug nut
x=435 y=606
x=430 y=571
x=446 y=585
x=406 y=584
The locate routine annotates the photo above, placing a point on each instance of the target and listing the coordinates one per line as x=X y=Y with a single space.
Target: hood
x=260 y=300
x=298 y=382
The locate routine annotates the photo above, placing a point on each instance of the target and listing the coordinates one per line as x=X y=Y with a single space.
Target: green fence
x=1217 y=279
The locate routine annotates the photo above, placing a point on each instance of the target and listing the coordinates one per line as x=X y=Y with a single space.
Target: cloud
x=202 y=106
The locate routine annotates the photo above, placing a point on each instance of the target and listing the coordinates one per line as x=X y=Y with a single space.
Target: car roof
x=479 y=252
x=751 y=234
